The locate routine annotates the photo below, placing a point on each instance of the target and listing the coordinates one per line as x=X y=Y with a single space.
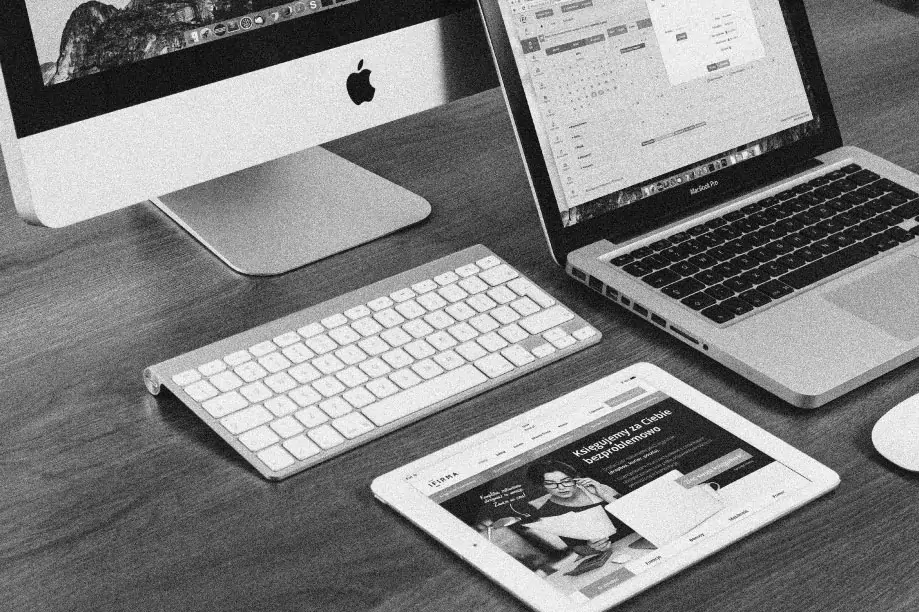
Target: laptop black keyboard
x=739 y=262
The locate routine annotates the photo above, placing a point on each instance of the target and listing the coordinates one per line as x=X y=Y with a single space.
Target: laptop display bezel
x=662 y=208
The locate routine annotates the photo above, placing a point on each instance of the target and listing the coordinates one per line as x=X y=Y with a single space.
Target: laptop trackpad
x=889 y=298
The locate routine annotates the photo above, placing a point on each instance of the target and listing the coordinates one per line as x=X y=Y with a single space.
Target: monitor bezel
x=657 y=210
x=38 y=108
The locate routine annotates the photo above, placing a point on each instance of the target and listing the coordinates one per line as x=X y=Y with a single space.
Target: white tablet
x=591 y=498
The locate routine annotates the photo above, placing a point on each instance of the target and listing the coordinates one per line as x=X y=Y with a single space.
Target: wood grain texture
x=113 y=500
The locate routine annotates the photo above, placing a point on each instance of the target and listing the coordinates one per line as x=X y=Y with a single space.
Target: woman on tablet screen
x=570 y=492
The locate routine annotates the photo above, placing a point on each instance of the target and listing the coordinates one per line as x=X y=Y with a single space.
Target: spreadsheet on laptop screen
x=623 y=93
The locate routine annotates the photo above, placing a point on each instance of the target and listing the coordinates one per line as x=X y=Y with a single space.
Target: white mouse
x=896 y=434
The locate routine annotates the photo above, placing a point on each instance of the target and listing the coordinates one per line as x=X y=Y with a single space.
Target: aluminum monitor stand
x=284 y=214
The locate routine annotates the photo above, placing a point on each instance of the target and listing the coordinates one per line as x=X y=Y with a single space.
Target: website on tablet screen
x=593 y=495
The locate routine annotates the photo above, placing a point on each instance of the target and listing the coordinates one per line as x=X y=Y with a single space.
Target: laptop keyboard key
x=622 y=260
x=698 y=301
x=719 y=292
x=708 y=277
x=718 y=314
x=683 y=288
x=837 y=262
x=738 y=283
x=637 y=268
x=756 y=298
x=661 y=278
x=775 y=289
x=737 y=306
x=684 y=268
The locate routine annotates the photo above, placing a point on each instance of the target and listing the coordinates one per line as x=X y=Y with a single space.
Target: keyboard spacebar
x=426 y=394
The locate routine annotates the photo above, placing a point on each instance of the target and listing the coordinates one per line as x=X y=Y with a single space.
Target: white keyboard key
x=313 y=329
x=359 y=397
x=305 y=395
x=494 y=365
x=353 y=425
x=358 y=312
x=263 y=348
x=449 y=360
x=417 y=328
x=473 y=285
x=201 y=390
x=389 y=318
x=502 y=295
x=336 y=320
x=321 y=344
x=286 y=427
x=402 y=295
x=432 y=301
x=259 y=438
x=351 y=355
x=235 y=359
x=344 y=335
x=226 y=381
x=396 y=337
x=498 y=275
x=281 y=406
x=518 y=355
x=381 y=303
x=405 y=378
x=424 y=286
x=504 y=314
x=554 y=334
x=183 y=379
x=441 y=340
x=525 y=306
x=481 y=302
x=301 y=447
x=276 y=458
x=543 y=350
x=439 y=319
x=524 y=287
x=328 y=386
x=471 y=351
x=298 y=353
x=212 y=367
x=468 y=270
x=564 y=342
x=419 y=349
x=584 y=333
x=410 y=309
x=513 y=333
x=366 y=327
x=335 y=407
x=280 y=382
x=483 y=323
x=287 y=339
x=446 y=278
x=492 y=342
x=488 y=262
x=427 y=369
x=225 y=404
x=325 y=436
x=373 y=346
x=246 y=419
x=250 y=371
x=426 y=394
x=382 y=387
x=328 y=364
x=255 y=392
x=546 y=319
x=460 y=311
x=397 y=358
x=311 y=416
x=452 y=293
x=463 y=332
x=375 y=367
x=304 y=373
x=352 y=377
x=274 y=362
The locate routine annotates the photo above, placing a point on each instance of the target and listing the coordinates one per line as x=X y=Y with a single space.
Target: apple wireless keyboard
x=309 y=386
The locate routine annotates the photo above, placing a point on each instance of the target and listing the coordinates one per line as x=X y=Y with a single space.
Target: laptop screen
x=632 y=98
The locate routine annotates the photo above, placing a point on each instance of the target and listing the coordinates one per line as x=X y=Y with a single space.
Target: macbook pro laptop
x=687 y=164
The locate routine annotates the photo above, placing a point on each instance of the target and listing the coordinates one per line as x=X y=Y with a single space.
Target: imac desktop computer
x=214 y=110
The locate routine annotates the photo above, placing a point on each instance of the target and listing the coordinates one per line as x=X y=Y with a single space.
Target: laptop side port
x=579 y=274
x=683 y=334
x=640 y=309
x=625 y=300
x=595 y=283
x=611 y=293
x=658 y=320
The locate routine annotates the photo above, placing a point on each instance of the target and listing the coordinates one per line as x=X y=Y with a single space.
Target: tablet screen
x=591 y=495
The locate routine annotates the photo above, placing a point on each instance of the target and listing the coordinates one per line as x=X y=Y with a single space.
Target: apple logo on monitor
x=359 y=88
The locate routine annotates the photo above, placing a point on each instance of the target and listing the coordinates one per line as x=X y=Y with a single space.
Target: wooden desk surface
x=114 y=500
